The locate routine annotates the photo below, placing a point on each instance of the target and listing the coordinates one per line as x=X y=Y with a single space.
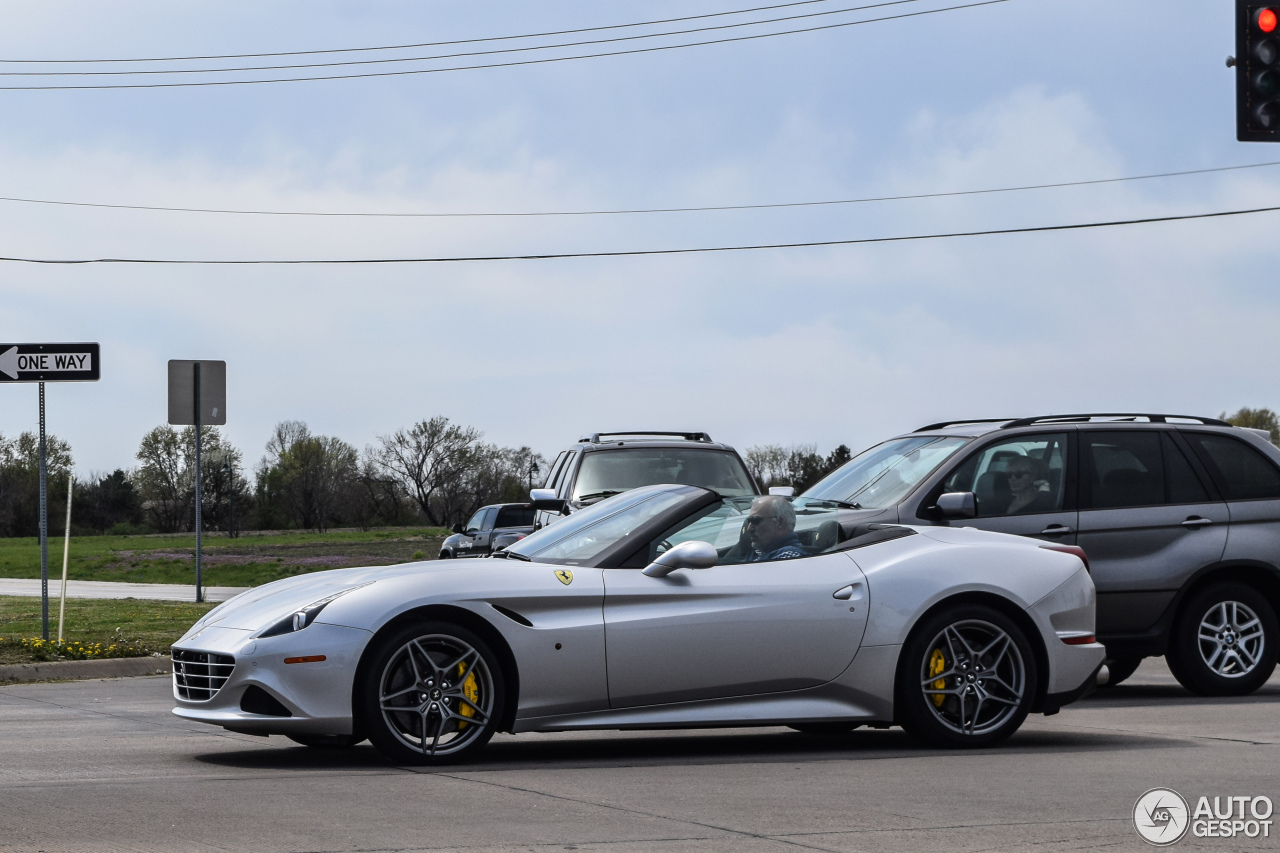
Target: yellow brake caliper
x=937 y=666
x=471 y=690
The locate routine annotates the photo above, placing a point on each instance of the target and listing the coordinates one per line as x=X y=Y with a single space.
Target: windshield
x=885 y=474
x=606 y=473
x=588 y=533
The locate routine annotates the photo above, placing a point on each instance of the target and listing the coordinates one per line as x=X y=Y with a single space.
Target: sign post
x=47 y=363
x=198 y=396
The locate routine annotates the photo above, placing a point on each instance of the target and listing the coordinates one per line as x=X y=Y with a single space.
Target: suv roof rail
x=594 y=438
x=943 y=424
x=1131 y=416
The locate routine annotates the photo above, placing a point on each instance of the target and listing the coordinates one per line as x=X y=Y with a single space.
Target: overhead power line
x=462 y=55
x=549 y=33
x=645 y=210
x=631 y=253
x=508 y=64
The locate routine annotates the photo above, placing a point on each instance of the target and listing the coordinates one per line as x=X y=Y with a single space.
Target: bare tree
x=428 y=459
x=165 y=478
x=311 y=476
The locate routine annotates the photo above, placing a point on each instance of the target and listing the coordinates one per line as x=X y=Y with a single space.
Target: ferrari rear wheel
x=966 y=678
x=432 y=694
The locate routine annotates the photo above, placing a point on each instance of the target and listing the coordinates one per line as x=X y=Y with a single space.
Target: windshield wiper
x=841 y=504
x=607 y=493
x=512 y=555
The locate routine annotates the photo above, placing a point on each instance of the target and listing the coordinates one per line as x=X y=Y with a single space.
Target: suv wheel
x=1225 y=641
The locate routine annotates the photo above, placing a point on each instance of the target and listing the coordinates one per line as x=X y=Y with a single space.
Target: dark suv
x=608 y=463
x=1179 y=518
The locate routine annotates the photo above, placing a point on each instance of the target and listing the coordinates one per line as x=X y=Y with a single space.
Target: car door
x=482 y=538
x=1147 y=522
x=1039 y=503
x=738 y=628
x=1250 y=482
x=468 y=542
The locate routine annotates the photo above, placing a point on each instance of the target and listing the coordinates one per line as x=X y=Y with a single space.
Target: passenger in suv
x=604 y=464
x=1179 y=518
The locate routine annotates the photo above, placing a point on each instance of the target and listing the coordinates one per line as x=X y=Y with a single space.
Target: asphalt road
x=103 y=766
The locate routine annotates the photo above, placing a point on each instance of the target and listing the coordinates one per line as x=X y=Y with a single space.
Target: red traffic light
x=1267 y=20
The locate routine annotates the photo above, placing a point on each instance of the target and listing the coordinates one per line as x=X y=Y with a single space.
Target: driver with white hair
x=771 y=530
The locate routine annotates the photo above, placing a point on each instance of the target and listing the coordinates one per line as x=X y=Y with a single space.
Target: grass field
x=153 y=625
x=247 y=561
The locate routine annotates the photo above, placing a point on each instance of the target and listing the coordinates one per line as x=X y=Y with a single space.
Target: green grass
x=247 y=561
x=151 y=625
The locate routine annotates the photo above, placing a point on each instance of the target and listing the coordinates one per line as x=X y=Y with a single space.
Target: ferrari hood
x=263 y=605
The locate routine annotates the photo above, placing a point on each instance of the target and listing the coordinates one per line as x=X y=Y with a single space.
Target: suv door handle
x=1055 y=530
x=1196 y=521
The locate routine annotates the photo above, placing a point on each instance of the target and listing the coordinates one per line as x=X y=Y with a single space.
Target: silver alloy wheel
x=1231 y=639
x=973 y=677
x=436 y=694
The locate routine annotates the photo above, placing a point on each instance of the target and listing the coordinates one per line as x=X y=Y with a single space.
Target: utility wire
x=510 y=64
x=1080 y=226
x=419 y=45
x=461 y=55
x=709 y=208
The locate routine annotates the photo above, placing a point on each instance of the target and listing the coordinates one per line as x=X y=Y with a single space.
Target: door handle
x=844 y=593
x=1055 y=530
x=1196 y=521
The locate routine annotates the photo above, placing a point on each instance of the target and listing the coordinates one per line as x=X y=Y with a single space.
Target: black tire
x=445 y=555
x=966 y=678
x=1120 y=669
x=823 y=729
x=449 y=684
x=328 y=741
x=1233 y=661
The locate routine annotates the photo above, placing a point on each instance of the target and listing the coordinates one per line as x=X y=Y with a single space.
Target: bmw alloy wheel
x=1231 y=639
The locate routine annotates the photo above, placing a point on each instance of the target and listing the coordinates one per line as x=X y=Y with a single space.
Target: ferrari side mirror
x=693 y=554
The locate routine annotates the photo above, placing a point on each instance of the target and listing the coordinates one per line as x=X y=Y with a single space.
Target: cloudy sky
x=825 y=345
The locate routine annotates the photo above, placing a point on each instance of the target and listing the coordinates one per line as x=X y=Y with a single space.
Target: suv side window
x=1022 y=475
x=1184 y=485
x=555 y=470
x=1244 y=473
x=1123 y=469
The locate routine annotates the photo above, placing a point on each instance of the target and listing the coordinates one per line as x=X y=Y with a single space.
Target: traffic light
x=1257 y=63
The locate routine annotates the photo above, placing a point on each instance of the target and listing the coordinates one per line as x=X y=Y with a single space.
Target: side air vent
x=512 y=615
x=258 y=701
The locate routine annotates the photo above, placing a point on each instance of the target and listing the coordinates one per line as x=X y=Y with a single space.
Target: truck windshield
x=885 y=474
x=610 y=472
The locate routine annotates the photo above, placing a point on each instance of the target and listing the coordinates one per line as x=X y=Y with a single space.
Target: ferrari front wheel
x=432 y=694
x=966 y=678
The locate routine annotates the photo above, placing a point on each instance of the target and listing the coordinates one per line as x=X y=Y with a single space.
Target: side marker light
x=306 y=659
x=1079 y=641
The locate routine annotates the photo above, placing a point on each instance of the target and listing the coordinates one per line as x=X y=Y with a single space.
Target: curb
x=67 y=669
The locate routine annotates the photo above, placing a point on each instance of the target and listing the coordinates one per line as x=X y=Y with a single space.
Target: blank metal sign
x=182 y=392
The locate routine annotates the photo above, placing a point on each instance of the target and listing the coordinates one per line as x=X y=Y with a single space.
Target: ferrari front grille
x=198 y=676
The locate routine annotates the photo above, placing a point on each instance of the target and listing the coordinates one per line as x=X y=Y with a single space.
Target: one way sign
x=49 y=363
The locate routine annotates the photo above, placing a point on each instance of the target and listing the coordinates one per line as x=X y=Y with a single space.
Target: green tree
x=312 y=479
x=20 y=480
x=1256 y=419
x=166 y=477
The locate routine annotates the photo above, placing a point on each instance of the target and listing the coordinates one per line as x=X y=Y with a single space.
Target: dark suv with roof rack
x=604 y=464
x=1179 y=518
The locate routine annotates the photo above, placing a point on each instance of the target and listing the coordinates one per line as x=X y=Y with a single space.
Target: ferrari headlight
x=302 y=617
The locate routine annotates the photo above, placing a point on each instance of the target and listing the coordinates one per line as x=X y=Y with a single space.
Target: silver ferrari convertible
x=663 y=607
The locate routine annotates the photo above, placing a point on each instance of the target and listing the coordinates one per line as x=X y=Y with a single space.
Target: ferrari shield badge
x=564 y=576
